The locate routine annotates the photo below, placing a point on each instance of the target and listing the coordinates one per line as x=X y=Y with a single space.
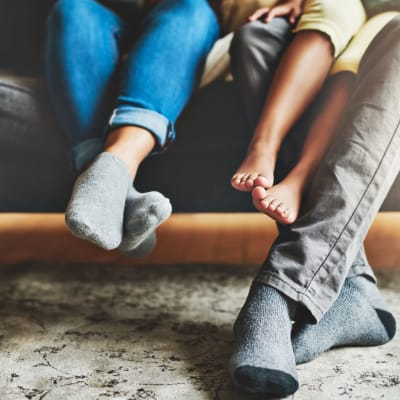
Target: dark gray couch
x=35 y=173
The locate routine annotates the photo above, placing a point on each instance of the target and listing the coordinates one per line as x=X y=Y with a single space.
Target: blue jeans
x=105 y=70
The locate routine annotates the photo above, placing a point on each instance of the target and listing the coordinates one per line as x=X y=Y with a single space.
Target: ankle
x=131 y=144
x=263 y=148
x=131 y=164
x=299 y=177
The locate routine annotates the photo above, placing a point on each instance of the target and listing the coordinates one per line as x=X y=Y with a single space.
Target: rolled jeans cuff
x=86 y=151
x=158 y=125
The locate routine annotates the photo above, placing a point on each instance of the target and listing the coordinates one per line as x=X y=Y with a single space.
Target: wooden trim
x=220 y=238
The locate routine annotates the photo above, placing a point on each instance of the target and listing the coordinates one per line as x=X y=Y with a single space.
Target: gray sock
x=95 y=211
x=359 y=317
x=144 y=248
x=144 y=212
x=263 y=359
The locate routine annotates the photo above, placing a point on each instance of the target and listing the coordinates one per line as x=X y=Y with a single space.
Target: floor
x=154 y=332
x=78 y=323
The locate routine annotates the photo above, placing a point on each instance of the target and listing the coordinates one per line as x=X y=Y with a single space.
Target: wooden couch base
x=219 y=238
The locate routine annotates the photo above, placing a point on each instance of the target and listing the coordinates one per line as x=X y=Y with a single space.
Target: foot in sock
x=359 y=317
x=144 y=212
x=282 y=201
x=95 y=211
x=257 y=169
x=263 y=360
x=143 y=249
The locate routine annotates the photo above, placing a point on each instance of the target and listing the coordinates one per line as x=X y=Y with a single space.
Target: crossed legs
x=104 y=207
x=312 y=268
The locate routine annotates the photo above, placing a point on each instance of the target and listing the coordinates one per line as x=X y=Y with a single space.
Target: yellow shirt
x=350 y=59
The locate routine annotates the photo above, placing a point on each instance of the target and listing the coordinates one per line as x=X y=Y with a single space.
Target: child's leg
x=282 y=201
x=299 y=76
x=159 y=75
x=82 y=93
x=157 y=79
x=323 y=31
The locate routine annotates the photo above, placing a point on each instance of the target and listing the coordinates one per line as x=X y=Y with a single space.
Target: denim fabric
x=310 y=259
x=94 y=88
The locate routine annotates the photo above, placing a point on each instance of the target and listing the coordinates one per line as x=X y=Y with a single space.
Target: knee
x=388 y=38
x=70 y=14
x=258 y=42
x=193 y=20
x=242 y=39
x=197 y=14
x=393 y=27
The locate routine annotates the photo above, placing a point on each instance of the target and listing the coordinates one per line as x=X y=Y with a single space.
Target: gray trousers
x=311 y=258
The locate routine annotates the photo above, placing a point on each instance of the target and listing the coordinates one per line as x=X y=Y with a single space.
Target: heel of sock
x=266 y=381
x=388 y=322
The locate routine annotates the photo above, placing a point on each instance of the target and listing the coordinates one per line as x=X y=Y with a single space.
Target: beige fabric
x=349 y=60
x=340 y=31
x=218 y=61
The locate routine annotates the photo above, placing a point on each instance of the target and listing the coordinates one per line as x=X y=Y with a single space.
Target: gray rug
x=161 y=333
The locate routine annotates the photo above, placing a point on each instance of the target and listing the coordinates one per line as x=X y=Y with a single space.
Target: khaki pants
x=311 y=258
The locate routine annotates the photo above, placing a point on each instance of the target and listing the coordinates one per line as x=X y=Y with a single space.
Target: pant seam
x=364 y=195
x=270 y=277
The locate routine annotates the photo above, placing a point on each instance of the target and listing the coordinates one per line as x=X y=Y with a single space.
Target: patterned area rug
x=71 y=332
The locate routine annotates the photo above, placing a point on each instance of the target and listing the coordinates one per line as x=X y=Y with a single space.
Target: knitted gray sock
x=144 y=212
x=359 y=317
x=144 y=248
x=95 y=211
x=263 y=359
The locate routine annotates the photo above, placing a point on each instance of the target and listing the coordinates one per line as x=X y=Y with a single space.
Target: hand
x=291 y=9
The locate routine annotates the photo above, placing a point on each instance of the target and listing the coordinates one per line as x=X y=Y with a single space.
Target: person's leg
x=263 y=359
x=322 y=32
x=255 y=51
x=291 y=91
x=162 y=70
x=169 y=53
x=282 y=201
x=360 y=311
x=82 y=93
x=309 y=261
x=311 y=258
x=144 y=213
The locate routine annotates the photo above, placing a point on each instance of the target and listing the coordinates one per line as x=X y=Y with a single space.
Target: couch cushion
x=26 y=120
x=195 y=172
x=22 y=27
x=22 y=31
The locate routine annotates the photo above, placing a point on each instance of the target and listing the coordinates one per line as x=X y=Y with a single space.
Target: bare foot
x=257 y=169
x=280 y=202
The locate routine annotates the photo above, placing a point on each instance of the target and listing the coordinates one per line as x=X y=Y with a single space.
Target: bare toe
x=273 y=204
x=265 y=203
x=235 y=180
x=263 y=181
x=258 y=193
x=238 y=181
x=281 y=209
x=250 y=181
